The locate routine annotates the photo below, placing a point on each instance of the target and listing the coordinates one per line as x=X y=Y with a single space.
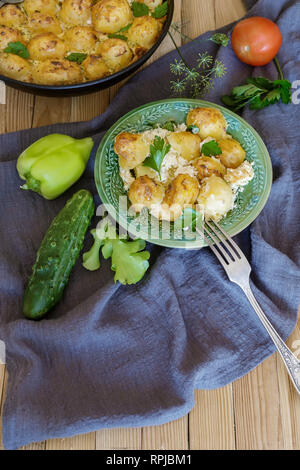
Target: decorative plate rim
x=180 y=244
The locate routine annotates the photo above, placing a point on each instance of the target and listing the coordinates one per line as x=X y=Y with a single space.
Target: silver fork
x=238 y=270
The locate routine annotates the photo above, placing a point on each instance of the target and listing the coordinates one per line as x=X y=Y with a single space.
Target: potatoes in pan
x=15 y=67
x=101 y=37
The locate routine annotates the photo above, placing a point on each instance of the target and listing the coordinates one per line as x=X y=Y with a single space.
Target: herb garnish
x=17 y=48
x=211 y=148
x=139 y=9
x=77 y=57
x=161 y=10
x=158 y=151
x=194 y=129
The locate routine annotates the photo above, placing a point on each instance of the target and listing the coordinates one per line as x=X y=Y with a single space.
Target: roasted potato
x=47 y=7
x=95 y=67
x=80 y=39
x=144 y=31
x=46 y=46
x=109 y=16
x=186 y=144
x=40 y=23
x=115 y=53
x=233 y=153
x=207 y=166
x=210 y=121
x=57 y=72
x=144 y=192
x=15 y=67
x=76 y=12
x=183 y=190
x=152 y=4
x=8 y=35
x=215 y=197
x=11 y=15
x=131 y=149
x=142 y=170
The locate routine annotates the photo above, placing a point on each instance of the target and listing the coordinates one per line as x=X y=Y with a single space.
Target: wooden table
x=259 y=411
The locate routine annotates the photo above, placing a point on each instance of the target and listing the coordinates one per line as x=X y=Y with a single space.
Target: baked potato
x=76 y=12
x=207 y=166
x=142 y=170
x=115 y=53
x=183 y=190
x=46 y=46
x=56 y=72
x=12 y=15
x=40 y=23
x=15 y=67
x=8 y=35
x=95 y=67
x=131 y=150
x=144 y=32
x=144 y=192
x=47 y=7
x=186 y=144
x=109 y=16
x=80 y=39
x=215 y=197
x=210 y=121
x=233 y=153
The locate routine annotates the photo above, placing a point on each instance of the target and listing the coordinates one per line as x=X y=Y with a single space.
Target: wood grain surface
x=259 y=411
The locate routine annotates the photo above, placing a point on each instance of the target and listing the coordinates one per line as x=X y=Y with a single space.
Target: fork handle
x=291 y=362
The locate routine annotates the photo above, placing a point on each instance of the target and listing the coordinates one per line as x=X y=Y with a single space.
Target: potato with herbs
x=233 y=153
x=95 y=67
x=109 y=16
x=210 y=121
x=207 y=166
x=216 y=197
x=115 y=53
x=56 y=72
x=15 y=67
x=186 y=144
x=144 y=32
x=131 y=150
x=145 y=192
x=47 y=7
x=76 y=12
x=12 y=15
x=81 y=39
x=46 y=46
x=8 y=35
x=40 y=23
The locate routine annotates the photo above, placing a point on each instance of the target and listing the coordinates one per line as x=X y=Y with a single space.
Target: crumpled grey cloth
x=118 y=356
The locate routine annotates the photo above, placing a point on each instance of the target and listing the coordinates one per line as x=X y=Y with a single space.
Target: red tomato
x=256 y=40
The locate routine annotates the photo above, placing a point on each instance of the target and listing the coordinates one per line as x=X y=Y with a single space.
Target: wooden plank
x=119 y=439
x=257 y=409
x=289 y=398
x=234 y=10
x=17 y=113
x=170 y=436
x=3 y=384
x=79 y=442
x=211 y=421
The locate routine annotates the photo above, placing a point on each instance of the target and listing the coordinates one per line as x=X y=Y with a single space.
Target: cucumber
x=57 y=255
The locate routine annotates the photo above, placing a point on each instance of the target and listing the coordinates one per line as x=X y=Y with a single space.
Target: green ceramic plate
x=249 y=203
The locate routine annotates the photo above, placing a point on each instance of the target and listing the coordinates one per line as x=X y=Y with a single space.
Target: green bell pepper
x=54 y=163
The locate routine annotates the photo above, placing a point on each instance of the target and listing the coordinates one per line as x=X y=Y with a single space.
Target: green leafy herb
x=17 y=48
x=139 y=9
x=220 y=38
x=158 y=151
x=259 y=92
x=169 y=126
x=194 y=129
x=129 y=259
x=125 y=29
x=117 y=36
x=77 y=57
x=211 y=148
x=161 y=10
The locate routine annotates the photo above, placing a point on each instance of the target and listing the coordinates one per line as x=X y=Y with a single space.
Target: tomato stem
x=279 y=70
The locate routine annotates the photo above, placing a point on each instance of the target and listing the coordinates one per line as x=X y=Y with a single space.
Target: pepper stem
x=279 y=70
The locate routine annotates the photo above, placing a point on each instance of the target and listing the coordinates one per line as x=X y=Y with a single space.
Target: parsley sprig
x=211 y=148
x=77 y=57
x=158 y=151
x=140 y=9
x=17 y=48
x=260 y=92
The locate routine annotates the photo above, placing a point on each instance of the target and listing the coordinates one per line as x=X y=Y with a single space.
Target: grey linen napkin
x=118 y=356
